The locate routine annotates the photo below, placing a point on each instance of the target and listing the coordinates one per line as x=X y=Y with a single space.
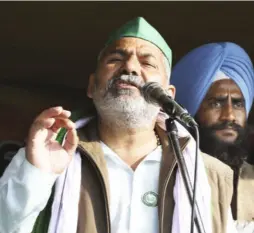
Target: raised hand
x=42 y=150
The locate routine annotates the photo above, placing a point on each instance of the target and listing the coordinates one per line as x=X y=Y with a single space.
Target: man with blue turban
x=215 y=83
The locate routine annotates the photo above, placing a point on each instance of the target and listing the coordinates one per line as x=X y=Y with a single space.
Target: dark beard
x=232 y=154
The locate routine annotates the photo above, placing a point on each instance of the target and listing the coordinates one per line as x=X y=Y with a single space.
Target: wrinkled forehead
x=224 y=87
x=131 y=45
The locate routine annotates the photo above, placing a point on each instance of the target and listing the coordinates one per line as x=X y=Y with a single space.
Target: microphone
x=154 y=93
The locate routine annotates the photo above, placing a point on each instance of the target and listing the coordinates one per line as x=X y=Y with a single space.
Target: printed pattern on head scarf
x=194 y=73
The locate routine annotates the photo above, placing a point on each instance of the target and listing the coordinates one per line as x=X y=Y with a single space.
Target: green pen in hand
x=75 y=115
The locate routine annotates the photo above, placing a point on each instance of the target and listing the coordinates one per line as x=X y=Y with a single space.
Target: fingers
x=62 y=123
x=46 y=123
x=52 y=119
x=71 y=141
x=54 y=112
x=54 y=124
x=55 y=115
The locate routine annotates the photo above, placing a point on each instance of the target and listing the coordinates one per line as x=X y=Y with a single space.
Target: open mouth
x=125 y=84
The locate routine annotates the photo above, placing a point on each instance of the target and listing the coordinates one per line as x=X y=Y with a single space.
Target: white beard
x=125 y=110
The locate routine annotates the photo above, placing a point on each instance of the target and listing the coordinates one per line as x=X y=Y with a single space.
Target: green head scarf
x=140 y=28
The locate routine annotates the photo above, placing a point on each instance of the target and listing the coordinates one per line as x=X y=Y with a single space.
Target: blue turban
x=194 y=73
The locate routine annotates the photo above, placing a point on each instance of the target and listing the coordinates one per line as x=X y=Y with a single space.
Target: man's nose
x=227 y=113
x=132 y=66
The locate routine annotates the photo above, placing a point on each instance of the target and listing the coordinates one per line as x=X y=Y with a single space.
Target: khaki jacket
x=245 y=193
x=94 y=214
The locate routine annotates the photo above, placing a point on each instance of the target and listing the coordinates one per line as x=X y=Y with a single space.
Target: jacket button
x=150 y=199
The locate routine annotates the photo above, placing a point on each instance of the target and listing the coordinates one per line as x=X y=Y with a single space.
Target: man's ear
x=90 y=87
x=172 y=91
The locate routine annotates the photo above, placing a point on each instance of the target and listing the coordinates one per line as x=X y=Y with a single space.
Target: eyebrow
x=222 y=98
x=121 y=52
x=147 y=55
x=124 y=52
x=217 y=98
x=238 y=99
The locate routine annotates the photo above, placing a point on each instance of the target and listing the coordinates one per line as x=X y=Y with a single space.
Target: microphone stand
x=172 y=133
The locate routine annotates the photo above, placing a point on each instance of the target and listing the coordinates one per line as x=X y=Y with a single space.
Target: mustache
x=126 y=78
x=226 y=125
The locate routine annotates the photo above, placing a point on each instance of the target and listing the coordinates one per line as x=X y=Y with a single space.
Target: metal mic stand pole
x=172 y=133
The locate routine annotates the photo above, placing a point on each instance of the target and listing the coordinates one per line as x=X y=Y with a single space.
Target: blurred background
x=48 y=49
